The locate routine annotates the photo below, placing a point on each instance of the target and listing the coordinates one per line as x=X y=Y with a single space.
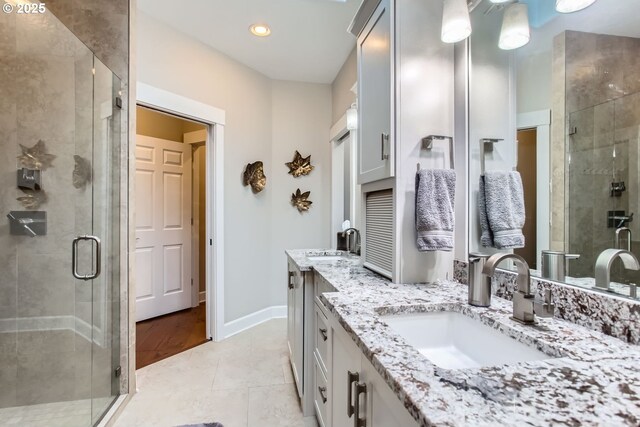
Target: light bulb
x=515 y=31
x=352 y=118
x=456 y=25
x=260 y=30
x=569 y=6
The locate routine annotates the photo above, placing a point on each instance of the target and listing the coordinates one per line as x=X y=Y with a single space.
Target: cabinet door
x=290 y=313
x=298 y=316
x=381 y=406
x=345 y=358
x=295 y=324
x=375 y=74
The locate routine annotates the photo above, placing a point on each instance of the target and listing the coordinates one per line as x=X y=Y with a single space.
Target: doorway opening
x=528 y=168
x=171 y=194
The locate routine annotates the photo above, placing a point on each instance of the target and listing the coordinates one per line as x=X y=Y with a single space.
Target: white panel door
x=163 y=226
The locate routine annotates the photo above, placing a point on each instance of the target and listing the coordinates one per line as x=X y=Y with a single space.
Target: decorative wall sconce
x=301 y=200
x=35 y=157
x=515 y=31
x=254 y=176
x=352 y=117
x=456 y=25
x=299 y=165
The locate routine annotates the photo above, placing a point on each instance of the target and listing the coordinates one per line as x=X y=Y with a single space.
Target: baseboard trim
x=202 y=297
x=249 y=321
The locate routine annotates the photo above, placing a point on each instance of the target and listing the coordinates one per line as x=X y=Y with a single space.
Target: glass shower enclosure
x=60 y=194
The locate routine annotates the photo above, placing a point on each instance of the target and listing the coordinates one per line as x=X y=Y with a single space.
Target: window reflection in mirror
x=566 y=109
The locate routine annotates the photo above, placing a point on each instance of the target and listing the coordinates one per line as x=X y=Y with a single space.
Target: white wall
x=301 y=121
x=342 y=96
x=265 y=121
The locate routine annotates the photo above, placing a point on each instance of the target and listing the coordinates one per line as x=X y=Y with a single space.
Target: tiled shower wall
x=597 y=92
x=46 y=87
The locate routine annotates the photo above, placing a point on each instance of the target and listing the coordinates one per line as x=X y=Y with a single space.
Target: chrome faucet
x=525 y=305
x=356 y=246
x=605 y=261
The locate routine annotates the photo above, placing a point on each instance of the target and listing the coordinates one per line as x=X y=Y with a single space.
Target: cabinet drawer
x=320 y=395
x=321 y=338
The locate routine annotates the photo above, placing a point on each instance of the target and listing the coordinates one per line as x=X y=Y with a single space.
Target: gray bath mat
x=203 y=425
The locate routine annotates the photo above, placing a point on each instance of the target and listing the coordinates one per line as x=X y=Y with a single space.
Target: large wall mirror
x=563 y=112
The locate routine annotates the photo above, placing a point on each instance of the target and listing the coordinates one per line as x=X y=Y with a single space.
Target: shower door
x=60 y=130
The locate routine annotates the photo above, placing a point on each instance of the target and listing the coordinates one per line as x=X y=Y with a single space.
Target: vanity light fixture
x=515 y=30
x=569 y=6
x=456 y=25
x=260 y=30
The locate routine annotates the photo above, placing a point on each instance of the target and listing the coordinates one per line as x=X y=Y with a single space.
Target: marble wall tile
x=45 y=377
x=8 y=379
x=594 y=83
x=557 y=148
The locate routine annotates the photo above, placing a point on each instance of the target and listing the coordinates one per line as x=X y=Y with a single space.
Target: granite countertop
x=591 y=379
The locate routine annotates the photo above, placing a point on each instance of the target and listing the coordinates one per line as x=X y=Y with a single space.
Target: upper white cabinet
x=406 y=92
x=375 y=106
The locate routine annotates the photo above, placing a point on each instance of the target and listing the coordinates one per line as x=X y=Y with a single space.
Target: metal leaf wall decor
x=35 y=157
x=81 y=172
x=301 y=200
x=32 y=200
x=299 y=166
x=254 y=176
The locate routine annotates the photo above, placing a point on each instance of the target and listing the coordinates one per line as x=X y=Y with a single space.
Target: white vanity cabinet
x=375 y=105
x=295 y=323
x=359 y=396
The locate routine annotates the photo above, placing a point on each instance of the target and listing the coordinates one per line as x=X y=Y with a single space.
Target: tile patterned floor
x=244 y=381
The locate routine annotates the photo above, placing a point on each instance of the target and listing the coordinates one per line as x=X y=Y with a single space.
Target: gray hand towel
x=504 y=207
x=486 y=239
x=435 y=199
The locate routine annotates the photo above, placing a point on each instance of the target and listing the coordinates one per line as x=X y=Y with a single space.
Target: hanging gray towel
x=486 y=238
x=501 y=199
x=435 y=200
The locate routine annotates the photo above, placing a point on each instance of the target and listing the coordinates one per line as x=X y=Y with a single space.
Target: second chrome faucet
x=525 y=304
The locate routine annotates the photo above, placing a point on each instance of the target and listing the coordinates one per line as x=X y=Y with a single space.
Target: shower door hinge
x=117 y=372
x=573 y=130
x=192 y=281
x=119 y=102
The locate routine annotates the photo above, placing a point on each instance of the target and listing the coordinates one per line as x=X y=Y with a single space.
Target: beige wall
x=341 y=94
x=164 y=126
x=256 y=129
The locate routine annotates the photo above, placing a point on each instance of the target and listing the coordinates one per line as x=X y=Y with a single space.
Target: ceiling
x=309 y=41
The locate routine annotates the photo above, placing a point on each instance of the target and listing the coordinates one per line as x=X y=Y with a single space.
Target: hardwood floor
x=167 y=335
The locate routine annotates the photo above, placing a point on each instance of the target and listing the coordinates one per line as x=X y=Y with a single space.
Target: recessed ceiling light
x=260 y=30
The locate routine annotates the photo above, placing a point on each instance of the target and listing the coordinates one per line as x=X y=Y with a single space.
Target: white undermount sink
x=325 y=257
x=332 y=255
x=452 y=340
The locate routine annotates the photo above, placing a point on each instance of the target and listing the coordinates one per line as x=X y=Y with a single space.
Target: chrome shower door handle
x=74 y=258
